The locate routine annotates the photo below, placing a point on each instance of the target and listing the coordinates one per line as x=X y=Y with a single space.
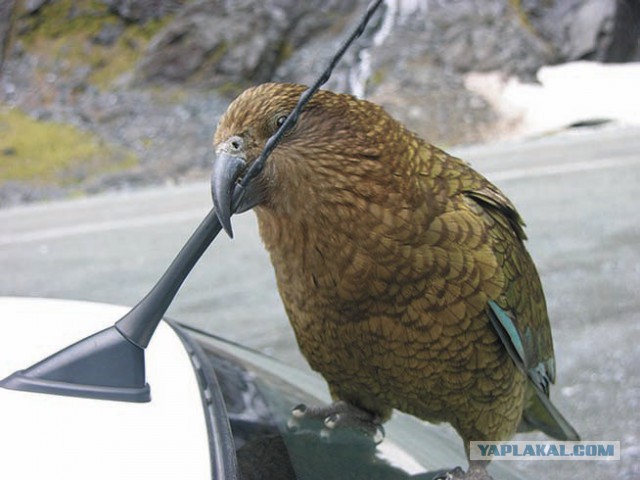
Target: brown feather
x=386 y=251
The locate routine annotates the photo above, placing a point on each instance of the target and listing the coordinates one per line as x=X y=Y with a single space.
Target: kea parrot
x=403 y=271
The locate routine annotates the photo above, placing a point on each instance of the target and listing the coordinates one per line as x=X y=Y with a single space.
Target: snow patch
x=566 y=95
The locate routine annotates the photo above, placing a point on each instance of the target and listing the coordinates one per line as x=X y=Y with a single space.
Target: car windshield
x=259 y=407
x=259 y=393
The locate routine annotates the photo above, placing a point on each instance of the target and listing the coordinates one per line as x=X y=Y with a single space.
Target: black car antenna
x=110 y=363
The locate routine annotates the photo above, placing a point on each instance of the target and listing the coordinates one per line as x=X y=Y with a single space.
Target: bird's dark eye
x=280 y=120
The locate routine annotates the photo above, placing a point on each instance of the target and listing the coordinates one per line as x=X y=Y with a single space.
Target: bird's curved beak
x=227 y=168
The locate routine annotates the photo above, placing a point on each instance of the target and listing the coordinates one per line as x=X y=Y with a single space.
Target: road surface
x=577 y=191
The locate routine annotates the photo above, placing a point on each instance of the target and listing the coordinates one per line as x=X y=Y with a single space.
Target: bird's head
x=336 y=139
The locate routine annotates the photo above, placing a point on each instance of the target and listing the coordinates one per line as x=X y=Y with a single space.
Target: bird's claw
x=337 y=422
x=455 y=474
x=365 y=426
x=459 y=474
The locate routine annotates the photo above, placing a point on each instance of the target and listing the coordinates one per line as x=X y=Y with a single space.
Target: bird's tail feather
x=542 y=415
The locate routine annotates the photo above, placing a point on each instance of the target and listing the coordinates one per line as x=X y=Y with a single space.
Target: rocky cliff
x=143 y=81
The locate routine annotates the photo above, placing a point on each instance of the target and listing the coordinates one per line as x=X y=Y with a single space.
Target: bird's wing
x=519 y=348
x=539 y=413
x=520 y=313
x=500 y=207
x=519 y=317
x=472 y=198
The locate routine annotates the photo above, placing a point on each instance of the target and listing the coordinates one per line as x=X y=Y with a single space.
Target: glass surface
x=259 y=405
x=260 y=392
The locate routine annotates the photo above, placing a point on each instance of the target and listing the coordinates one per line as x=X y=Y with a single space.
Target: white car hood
x=47 y=436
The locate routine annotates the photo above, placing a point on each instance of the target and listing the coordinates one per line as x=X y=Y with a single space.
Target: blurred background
x=108 y=107
x=130 y=90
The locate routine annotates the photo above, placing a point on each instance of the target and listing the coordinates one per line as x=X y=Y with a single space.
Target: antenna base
x=103 y=366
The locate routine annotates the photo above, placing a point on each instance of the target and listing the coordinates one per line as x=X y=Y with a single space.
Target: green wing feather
x=539 y=413
x=521 y=322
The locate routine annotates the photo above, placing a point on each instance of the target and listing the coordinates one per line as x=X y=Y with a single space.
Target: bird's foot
x=475 y=472
x=339 y=421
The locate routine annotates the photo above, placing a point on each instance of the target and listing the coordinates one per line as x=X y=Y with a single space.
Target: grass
x=40 y=152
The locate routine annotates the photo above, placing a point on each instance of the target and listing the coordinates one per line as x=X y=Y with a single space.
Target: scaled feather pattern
x=403 y=271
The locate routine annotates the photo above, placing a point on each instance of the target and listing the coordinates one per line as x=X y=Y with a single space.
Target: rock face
x=234 y=43
x=143 y=10
x=412 y=60
x=152 y=76
x=6 y=25
x=219 y=41
x=600 y=30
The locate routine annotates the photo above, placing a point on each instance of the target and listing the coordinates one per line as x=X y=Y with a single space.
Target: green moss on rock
x=63 y=33
x=38 y=152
